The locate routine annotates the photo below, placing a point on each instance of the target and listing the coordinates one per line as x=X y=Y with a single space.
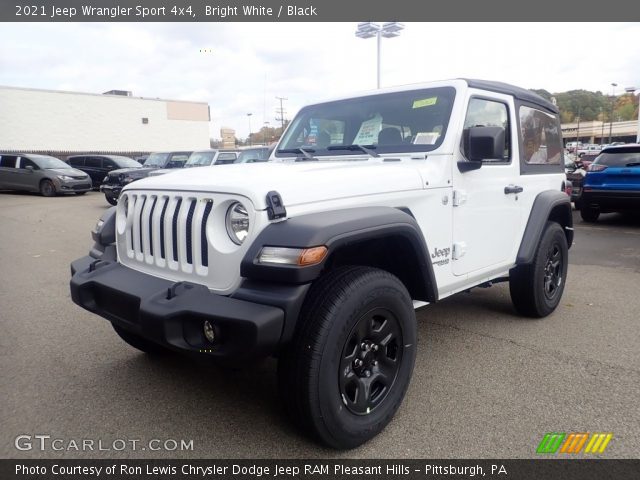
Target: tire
x=112 y=201
x=589 y=214
x=352 y=314
x=47 y=188
x=578 y=204
x=138 y=342
x=536 y=289
x=80 y=193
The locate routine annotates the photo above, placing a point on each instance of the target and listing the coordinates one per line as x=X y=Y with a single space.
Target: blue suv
x=612 y=183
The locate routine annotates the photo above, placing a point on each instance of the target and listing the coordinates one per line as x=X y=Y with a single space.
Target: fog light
x=209 y=333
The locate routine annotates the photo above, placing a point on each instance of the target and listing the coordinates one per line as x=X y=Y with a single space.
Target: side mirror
x=482 y=143
x=29 y=168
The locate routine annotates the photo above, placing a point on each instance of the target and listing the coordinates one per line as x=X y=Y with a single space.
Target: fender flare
x=336 y=229
x=548 y=205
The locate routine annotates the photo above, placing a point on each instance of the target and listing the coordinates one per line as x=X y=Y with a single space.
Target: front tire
x=345 y=373
x=536 y=289
x=138 y=342
x=111 y=200
x=47 y=188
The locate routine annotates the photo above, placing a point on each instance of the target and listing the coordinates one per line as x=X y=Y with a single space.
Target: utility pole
x=281 y=112
x=613 y=99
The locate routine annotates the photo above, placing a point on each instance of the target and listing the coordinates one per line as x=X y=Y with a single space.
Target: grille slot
x=164 y=211
x=204 y=250
x=153 y=207
x=189 y=232
x=174 y=229
x=141 y=230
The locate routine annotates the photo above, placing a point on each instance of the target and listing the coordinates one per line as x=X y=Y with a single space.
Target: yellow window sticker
x=425 y=102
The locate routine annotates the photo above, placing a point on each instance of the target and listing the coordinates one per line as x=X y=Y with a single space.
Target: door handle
x=512 y=189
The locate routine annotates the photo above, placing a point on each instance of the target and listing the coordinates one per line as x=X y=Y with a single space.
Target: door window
x=25 y=162
x=8 y=161
x=489 y=113
x=540 y=136
x=93 y=162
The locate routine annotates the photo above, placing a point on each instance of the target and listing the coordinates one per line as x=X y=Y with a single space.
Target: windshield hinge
x=275 y=207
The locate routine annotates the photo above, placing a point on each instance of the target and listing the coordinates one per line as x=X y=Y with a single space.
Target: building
x=228 y=136
x=599 y=132
x=64 y=123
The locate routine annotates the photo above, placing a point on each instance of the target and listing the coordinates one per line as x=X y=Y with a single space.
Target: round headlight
x=237 y=222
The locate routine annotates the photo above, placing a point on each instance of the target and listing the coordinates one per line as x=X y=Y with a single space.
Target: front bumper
x=111 y=191
x=172 y=314
x=70 y=186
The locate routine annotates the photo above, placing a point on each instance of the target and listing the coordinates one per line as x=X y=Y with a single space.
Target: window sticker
x=426 y=138
x=425 y=102
x=368 y=133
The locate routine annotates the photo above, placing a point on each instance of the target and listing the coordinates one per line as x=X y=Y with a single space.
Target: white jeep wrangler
x=371 y=206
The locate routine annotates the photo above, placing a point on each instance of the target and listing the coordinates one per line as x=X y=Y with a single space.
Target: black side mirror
x=482 y=143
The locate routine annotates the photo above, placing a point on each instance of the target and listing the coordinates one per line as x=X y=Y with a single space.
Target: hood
x=70 y=172
x=131 y=172
x=297 y=183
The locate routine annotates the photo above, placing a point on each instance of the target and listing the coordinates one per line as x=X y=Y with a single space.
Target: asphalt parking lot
x=487 y=383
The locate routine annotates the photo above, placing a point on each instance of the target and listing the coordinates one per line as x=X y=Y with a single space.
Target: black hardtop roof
x=518 y=92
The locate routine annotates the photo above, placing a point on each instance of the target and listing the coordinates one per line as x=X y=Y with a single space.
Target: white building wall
x=37 y=120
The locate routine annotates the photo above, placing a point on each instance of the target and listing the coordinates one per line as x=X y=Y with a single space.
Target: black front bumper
x=111 y=191
x=172 y=314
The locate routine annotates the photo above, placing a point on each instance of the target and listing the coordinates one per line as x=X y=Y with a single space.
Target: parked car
x=612 y=182
x=97 y=166
x=589 y=149
x=113 y=183
x=573 y=146
x=41 y=173
x=253 y=155
x=204 y=158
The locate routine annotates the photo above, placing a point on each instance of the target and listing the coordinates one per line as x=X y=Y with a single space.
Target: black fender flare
x=548 y=205
x=336 y=229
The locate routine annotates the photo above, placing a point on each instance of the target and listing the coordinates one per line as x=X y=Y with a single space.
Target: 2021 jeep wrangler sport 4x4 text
x=370 y=206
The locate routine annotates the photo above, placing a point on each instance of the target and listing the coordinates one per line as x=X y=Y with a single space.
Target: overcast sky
x=245 y=66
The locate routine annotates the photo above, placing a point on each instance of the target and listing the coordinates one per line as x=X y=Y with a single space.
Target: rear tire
x=589 y=214
x=347 y=369
x=47 y=188
x=536 y=289
x=112 y=201
x=138 y=342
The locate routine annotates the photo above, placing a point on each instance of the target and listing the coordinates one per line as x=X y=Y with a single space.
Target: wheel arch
x=550 y=205
x=382 y=237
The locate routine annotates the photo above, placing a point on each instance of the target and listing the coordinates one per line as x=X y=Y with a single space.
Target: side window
x=489 y=113
x=93 y=162
x=8 y=161
x=108 y=164
x=226 y=158
x=76 y=162
x=540 y=136
x=25 y=162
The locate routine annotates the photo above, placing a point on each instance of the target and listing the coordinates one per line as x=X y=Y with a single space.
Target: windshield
x=253 y=155
x=200 y=159
x=45 y=161
x=156 y=160
x=396 y=122
x=620 y=157
x=125 y=162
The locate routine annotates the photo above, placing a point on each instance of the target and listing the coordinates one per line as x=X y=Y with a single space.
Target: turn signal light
x=302 y=257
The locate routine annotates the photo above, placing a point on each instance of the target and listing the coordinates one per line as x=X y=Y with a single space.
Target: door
x=8 y=174
x=93 y=168
x=486 y=213
x=27 y=178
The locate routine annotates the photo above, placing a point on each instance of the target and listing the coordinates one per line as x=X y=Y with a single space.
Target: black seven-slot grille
x=169 y=228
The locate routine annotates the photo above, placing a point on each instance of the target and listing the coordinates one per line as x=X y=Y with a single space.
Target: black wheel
x=47 y=188
x=589 y=214
x=111 y=200
x=346 y=371
x=138 y=342
x=80 y=193
x=536 y=289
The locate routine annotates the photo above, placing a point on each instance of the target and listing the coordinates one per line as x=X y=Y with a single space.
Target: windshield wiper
x=632 y=164
x=366 y=149
x=306 y=152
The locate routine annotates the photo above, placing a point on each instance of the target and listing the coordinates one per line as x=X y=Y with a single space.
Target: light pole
x=602 y=129
x=266 y=127
x=613 y=97
x=249 y=117
x=636 y=92
x=386 y=30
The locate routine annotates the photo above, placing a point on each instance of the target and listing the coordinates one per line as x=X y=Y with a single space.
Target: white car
x=371 y=206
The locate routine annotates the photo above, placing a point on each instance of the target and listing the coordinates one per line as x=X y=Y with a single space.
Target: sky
x=240 y=68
